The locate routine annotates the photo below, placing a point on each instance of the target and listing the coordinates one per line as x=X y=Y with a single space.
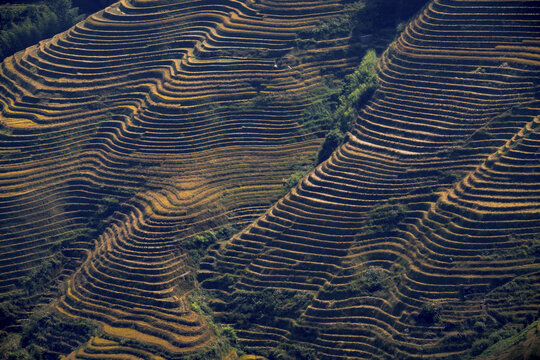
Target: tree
x=63 y=10
x=332 y=140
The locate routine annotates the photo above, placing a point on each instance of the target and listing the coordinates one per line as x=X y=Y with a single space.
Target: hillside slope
x=420 y=234
x=133 y=133
x=133 y=144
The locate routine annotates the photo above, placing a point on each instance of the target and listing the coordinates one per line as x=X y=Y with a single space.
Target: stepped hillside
x=136 y=131
x=143 y=154
x=419 y=236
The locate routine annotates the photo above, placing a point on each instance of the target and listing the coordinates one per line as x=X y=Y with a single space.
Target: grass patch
x=226 y=335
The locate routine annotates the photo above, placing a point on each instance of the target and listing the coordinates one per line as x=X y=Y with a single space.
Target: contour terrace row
x=390 y=201
x=141 y=126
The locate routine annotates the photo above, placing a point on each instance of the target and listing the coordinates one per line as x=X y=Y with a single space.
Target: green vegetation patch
x=35 y=343
x=290 y=351
x=299 y=170
x=385 y=217
x=25 y=22
x=22 y=25
x=335 y=27
x=197 y=245
x=357 y=89
x=42 y=275
x=502 y=340
x=264 y=307
x=226 y=335
x=373 y=281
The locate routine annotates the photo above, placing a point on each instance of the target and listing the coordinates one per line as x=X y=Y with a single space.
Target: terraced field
x=418 y=227
x=167 y=119
x=127 y=138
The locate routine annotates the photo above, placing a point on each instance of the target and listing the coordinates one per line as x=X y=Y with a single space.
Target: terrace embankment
x=140 y=128
x=419 y=235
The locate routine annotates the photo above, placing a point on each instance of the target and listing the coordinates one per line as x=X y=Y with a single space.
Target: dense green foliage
x=26 y=28
x=34 y=342
x=226 y=335
x=385 y=217
x=40 y=276
x=502 y=340
x=367 y=282
x=318 y=114
x=197 y=245
x=290 y=351
x=265 y=306
x=429 y=314
x=25 y=23
x=357 y=89
x=8 y=313
x=292 y=181
x=330 y=29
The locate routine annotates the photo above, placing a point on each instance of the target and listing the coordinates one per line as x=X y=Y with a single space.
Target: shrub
x=329 y=29
x=479 y=326
x=429 y=314
x=367 y=282
x=300 y=352
x=358 y=88
x=228 y=333
x=200 y=241
x=386 y=216
x=263 y=307
x=304 y=333
x=479 y=346
x=223 y=282
x=197 y=245
x=107 y=206
x=20 y=354
x=7 y=313
x=333 y=139
x=373 y=279
x=40 y=276
x=292 y=181
x=317 y=115
x=25 y=25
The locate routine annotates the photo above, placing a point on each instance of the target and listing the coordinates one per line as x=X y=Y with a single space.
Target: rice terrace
x=270 y=179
